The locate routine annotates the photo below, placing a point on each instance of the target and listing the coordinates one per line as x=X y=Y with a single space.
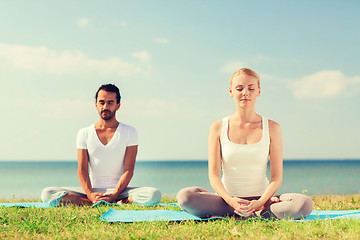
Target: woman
x=242 y=144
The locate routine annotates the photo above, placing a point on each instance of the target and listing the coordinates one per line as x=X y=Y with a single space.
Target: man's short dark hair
x=109 y=88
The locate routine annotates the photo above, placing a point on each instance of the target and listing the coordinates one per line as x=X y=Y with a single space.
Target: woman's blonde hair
x=246 y=71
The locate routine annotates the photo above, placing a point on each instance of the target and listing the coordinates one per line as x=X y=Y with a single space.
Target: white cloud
x=161 y=40
x=267 y=77
x=142 y=56
x=123 y=23
x=44 y=60
x=231 y=67
x=83 y=22
x=259 y=58
x=325 y=84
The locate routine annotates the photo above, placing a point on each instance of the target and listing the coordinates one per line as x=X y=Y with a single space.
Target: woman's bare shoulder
x=216 y=127
x=274 y=127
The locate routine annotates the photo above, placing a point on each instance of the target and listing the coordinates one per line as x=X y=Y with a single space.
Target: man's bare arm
x=83 y=175
x=129 y=166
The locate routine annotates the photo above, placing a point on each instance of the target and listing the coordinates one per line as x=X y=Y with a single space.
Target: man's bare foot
x=71 y=198
x=125 y=200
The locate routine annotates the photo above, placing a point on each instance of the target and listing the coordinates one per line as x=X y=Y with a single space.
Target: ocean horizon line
x=317 y=176
x=198 y=160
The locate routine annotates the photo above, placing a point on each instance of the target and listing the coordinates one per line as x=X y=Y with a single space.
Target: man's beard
x=109 y=115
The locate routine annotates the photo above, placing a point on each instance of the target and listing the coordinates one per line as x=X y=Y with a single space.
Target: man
x=108 y=148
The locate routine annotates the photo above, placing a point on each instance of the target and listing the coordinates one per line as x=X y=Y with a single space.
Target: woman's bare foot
x=274 y=200
x=268 y=203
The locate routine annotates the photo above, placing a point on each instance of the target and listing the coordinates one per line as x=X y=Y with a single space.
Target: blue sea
x=27 y=179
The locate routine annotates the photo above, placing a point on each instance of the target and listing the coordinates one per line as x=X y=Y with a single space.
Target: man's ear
x=118 y=106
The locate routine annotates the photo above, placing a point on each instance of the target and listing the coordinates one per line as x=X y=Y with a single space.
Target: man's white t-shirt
x=106 y=162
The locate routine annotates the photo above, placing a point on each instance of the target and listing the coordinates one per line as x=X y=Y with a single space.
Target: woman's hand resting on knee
x=248 y=209
x=241 y=206
x=254 y=205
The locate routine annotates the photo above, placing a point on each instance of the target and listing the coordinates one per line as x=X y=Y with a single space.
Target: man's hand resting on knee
x=95 y=197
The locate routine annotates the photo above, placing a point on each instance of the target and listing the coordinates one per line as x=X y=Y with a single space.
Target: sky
x=172 y=61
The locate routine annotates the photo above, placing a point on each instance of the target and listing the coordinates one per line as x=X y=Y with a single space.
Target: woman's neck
x=246 y=115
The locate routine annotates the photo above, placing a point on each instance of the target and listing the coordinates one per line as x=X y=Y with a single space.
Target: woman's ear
x=230 y=92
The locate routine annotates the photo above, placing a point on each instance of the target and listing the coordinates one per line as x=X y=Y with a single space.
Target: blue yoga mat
x=45 y=205
x=25 y=204
x=169 y=215
x=128 y=216
x=104 y=203
x=335 y=214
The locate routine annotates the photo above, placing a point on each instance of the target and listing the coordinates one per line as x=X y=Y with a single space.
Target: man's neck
x=112 y=123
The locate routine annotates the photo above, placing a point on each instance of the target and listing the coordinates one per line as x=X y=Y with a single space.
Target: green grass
x=83 y=223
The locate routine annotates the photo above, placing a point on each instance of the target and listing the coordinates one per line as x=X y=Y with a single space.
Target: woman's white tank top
x=244 y=165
